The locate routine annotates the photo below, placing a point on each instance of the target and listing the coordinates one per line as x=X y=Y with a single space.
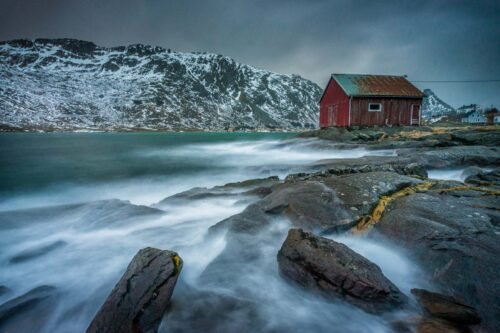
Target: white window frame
x=379 y=110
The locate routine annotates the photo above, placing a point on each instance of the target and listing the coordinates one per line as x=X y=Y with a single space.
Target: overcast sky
x=427 y=40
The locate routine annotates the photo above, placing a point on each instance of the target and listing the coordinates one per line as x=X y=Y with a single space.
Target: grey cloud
x=427 y=40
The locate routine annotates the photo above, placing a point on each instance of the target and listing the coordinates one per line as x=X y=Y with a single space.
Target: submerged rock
x=447 y=307
x=334 y=270
x=29 y=312
x=139 y=300
x=36 y=252
x=208 y=311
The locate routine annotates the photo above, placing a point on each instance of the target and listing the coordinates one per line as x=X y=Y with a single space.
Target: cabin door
x=415 y=115
x=332 y=115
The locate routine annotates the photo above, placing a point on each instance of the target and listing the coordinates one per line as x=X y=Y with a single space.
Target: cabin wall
x=334 y=106
x=395 y=111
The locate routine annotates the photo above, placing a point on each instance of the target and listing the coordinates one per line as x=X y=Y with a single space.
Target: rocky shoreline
x=449 y=228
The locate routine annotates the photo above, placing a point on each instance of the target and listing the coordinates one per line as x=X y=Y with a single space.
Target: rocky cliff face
x=70 y=84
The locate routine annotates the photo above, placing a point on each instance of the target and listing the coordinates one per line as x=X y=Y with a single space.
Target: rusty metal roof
x=376 y=85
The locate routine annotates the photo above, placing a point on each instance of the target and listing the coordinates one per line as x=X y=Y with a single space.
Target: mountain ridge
x=68 y=84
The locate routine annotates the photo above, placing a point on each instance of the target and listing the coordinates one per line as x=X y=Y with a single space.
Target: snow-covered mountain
x=433 y=106
x=70 y=84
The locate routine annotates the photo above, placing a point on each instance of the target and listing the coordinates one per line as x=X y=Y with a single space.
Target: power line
x=454 y=81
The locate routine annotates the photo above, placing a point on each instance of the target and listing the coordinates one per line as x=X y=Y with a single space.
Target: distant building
x=369 y=100
x=475 y=117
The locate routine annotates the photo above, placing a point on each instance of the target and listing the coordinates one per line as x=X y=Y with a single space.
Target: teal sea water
x=76 y=207
x=35 y=160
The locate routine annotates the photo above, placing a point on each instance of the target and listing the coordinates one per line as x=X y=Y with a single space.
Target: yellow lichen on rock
x=487 y=191
x=177 y=263
x=376 y=214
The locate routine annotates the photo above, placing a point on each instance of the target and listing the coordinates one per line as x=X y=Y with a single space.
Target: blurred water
x=75 y=208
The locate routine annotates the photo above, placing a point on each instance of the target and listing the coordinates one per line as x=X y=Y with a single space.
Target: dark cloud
x=427 y=40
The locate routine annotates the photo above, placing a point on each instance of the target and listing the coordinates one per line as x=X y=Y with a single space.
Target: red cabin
x=369 y=100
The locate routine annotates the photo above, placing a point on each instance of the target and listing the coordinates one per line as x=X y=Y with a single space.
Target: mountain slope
x=433 y=106
x=69 y=84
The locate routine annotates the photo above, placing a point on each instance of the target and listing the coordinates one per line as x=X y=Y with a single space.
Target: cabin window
x=374 y=107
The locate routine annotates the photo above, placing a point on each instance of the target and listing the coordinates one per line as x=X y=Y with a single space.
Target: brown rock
x=447 y=307
x=334 y=270
x=139 y=300
x=438 y=326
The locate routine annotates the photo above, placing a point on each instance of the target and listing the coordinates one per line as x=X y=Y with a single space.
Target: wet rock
x=139 y=300
x=484 y=138
x=251 y=221
x=491 y=178
x=252 y=187
x=452 y=156
x=196 y=193
x=327 y=204
x=364 y=190
x=339 y=167
x=455 y=241
x=432 y=325
x=29 y=312
x=471 y=171
x=259 y=182
x=336 y=271
x=36 y=252
x=447 y=307
x=207 y=311
x=310 y=205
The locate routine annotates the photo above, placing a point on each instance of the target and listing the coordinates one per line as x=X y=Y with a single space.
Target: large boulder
x=334 y=270
x=453 y=237
x=139 y=300
x=447 y=307
x=322 y=203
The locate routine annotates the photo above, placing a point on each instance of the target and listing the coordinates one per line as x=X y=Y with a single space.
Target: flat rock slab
x=362 y=191
x=447 y=307
x=334 y=270
x=139 y=300
x=310 y=205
